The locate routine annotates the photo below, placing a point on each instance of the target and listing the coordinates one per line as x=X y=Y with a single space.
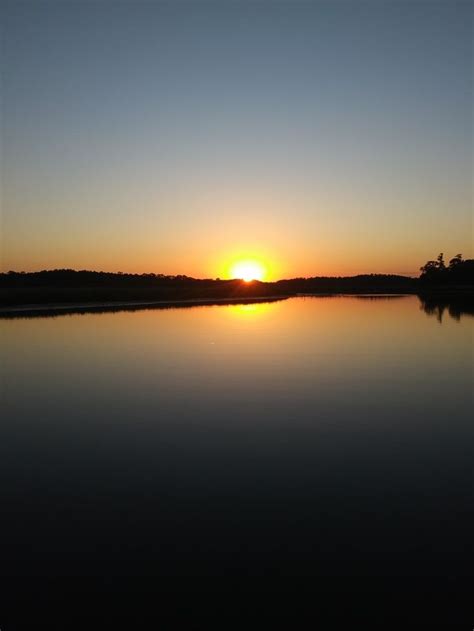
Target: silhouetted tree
x=433 y=270
x=458 y=273
x=455 y=261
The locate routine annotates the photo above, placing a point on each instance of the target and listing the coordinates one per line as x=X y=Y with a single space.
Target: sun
x=248 y=271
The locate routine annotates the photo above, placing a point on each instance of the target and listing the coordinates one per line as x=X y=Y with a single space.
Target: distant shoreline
x=85 y=307
x=68 y=291
x=135 y=305
x=463 y=296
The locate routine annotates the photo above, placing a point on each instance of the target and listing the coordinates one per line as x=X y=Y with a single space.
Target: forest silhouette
x=50 y=288
x=457 y=272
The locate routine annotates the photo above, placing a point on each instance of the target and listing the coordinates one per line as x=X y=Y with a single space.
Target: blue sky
x=321 y=137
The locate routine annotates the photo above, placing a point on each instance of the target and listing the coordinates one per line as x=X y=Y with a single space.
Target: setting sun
x=248 y=271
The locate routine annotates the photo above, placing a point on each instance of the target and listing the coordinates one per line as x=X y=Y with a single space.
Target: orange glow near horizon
x=248 y=270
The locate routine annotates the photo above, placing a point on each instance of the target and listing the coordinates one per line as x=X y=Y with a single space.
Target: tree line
x=457 y=272
x=71 y=285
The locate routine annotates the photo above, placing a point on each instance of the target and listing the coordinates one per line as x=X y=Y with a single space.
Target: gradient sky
x=321 y=137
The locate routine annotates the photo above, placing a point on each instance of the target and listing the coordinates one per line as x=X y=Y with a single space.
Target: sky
x=320 y=138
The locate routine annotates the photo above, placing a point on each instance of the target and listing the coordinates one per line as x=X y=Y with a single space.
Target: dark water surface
x=307 y=437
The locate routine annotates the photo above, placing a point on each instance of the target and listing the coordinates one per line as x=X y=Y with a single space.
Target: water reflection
x=249 y=312
x=454 y=305
x=67 y=310
x=375 y=297
x=433 y=305
x=308 y=437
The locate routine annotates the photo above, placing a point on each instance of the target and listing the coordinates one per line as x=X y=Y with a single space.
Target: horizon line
x=214 y=279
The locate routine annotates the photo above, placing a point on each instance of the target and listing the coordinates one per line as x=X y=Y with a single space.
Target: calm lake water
x=304 y=437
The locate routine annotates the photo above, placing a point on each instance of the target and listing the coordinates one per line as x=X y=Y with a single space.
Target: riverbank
x=69 y=287
x=456 y=302
x=68 y=291
x=100 y=307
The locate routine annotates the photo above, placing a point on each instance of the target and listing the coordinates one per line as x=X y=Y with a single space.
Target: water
x=326 y=436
